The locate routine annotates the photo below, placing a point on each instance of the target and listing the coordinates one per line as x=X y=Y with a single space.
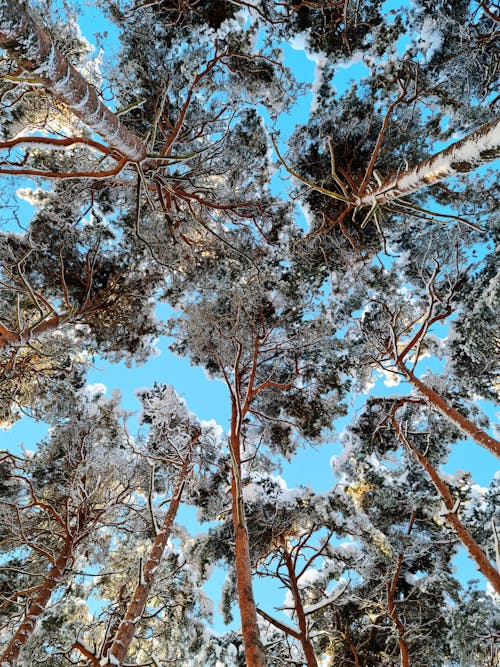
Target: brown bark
x=354 y=653
x=37 y=606
x=403 y=646
x=126 y=630
x=33 y=49
x=404 y=652
x=473 y=548
x=299 y=610
x=254 y=652
x=478 y=148
x=464 y=424
x=8 y=337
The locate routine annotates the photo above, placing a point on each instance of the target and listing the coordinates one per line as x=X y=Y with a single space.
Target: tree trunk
x=299 y=610
x=480 y=147
x=32 y=48
x=126 y=629
x=464 y=424
x=37 y=607
x=404 y=651
x=473 y=548
x=254 y=652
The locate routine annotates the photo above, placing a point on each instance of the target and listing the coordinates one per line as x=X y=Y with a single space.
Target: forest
x=171 y=183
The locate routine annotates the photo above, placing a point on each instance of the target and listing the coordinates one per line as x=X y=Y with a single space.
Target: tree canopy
x=345 y=267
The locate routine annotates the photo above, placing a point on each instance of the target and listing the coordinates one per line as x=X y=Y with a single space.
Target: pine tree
x=176 y=202
x=66 y=495
x=36 y=53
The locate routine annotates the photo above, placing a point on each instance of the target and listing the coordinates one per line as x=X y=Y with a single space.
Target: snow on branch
x=32 y=48
x=478 y=148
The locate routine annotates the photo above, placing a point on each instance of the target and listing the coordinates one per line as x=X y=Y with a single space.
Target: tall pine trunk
x=404 y=651
x=254 y=652
x=126 y=629
x=473 y=548
x=450 y=413
x=33 y=49
x=478 y=148
x=37 y=607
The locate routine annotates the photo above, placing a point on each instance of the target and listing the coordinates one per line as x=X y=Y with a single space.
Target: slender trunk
x=254 y=652
x=404 y=652
x=37 y=607
x=32 y=48
x=355 y=654
x=126 y=630
x=473 y=548
x=299 y=610
x=480 y=147
x=464 y=424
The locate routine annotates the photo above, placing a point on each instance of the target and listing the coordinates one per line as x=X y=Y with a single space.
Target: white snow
x=338 y=590
x=93 y=390
x=431 y=37
x=438 y=167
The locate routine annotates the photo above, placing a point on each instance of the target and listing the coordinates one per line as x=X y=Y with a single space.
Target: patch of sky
x=402 y=44
x=188 y=516
x=23 y=435
x=349 y=72
x=464 y=565
x=213 y=588
x=208 y=399
x=16 y=209
x=309 y=466
x=393 y=6
x=468 y=455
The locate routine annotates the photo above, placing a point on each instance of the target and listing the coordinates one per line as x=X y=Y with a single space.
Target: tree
x=173 y=441
x=62 y=506
x=36 y=53
x=177 y=203
x=481 y=147
x=398 y=333
x=260 y=346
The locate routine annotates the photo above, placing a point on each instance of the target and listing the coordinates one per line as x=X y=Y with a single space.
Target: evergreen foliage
x=152 y=180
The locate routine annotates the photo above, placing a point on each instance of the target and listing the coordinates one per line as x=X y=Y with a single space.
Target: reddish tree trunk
x=301 y=616
x=464 y=424
x=473 y=548
x=32 y=48
x=126 y=630
x=37 y=607
x=404 y=652
x=254 y=652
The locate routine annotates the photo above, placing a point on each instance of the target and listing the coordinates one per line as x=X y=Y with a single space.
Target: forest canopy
x=172 y=182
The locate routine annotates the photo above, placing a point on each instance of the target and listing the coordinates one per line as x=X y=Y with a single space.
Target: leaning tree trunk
x=33 y=49
x=478 y=148
x=473 y=548
x=254 y=652
x=37 y=607
x=450 y=413
x=126 y=629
